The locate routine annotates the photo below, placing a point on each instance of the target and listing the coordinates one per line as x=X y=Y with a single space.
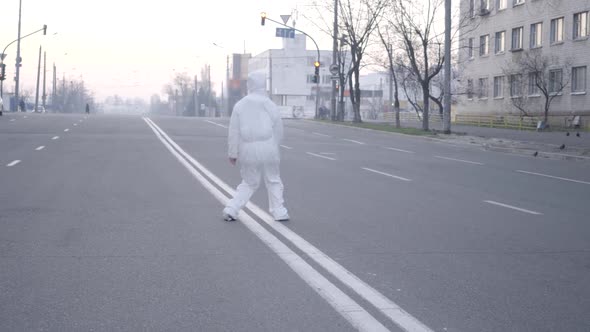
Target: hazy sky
x=132 y=47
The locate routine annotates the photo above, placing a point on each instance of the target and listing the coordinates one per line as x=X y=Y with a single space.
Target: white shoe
x=283 y=218
x=228 y=217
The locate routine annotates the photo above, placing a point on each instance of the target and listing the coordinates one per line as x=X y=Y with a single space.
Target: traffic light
x=262 y=18
x=316 y=76
x=2 y=72
x=44 y=29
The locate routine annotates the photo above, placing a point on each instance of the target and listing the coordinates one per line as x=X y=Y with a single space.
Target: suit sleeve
x=277 y=124
x=233 y=137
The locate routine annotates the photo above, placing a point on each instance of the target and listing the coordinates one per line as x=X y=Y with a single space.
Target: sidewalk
x=544 y=143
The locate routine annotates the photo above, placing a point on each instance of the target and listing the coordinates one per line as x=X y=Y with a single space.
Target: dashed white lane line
x=24 y=117
x=39 y=148
x=217 y=124
x=12 y=163
x=55 y=137
x=320 y=156
x=513 y=207
x=286 y=147
x=459 y=160
x=398 y=150
x=323 y=135
x=66 y=130
x=75 y=124
x=12 y=120
x=554 y=177
x=386 y=174
x=353 y=141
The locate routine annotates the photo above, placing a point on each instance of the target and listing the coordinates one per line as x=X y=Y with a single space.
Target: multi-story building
x=500 y=40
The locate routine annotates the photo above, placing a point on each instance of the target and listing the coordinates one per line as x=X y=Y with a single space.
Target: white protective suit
x=255 y=132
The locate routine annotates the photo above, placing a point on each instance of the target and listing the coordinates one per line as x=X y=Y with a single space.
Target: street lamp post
x=263 y=18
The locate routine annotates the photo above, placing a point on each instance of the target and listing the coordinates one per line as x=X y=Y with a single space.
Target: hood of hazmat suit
x=255 y=127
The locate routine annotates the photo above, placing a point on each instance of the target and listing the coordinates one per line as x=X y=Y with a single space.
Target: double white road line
x=354 y=313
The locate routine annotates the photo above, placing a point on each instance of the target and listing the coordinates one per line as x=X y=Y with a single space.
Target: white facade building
x=499 y=33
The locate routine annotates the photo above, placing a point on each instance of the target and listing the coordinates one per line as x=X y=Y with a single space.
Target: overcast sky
x=132 y=47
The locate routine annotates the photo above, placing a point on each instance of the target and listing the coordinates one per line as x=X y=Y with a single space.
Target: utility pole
x=44 y=78
x=38 y=76
x=334 y=59
x=447 y=87
x=227 y=86
x=270 y=73
x=54 y=92
x=18 y=59
x=63 y=93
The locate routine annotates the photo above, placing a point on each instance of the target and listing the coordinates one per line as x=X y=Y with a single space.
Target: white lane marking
x=217 y=124
x=286 y=147
x=328 y=153
x=12 y=120
x=319 y=156
x=513 y=207
x=459 y=160
x=55 y=137
x=323 y=135
x=13 y=163
x=24 y=117
x=386 y=174
x=554 y=177
x=342 y=303
x=39 y=148
x=75 y=124
x=66 y=130
x=353 y=141
x=399 y=150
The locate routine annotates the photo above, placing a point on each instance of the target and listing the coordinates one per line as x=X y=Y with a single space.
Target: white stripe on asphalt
x=554 y=177
x=55 y=137
x=40 y=148
x=386 y=174
x=513 y=207
x=319 y=156
x=459 y=160
x=12 y=120
x=75 y=124
x=342 y=303
x=323 y=135
x=13 y=163
x=217 y=124
x=66 y=130
x=353 y=141
x=389 y=308
x=286 y=147
x=399 y=150
x=24 y=117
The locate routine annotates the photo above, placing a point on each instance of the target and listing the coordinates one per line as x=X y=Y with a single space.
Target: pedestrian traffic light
x=44 y=29
x=2 y=72
x=262 y=18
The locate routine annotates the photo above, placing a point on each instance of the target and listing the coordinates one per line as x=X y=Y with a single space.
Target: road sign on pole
x=334 y=69
x=285 y=18
x=285 y=33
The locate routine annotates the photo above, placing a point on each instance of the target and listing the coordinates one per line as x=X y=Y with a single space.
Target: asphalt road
x=116 y=224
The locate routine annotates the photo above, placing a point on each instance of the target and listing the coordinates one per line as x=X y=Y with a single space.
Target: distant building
x=499 y=33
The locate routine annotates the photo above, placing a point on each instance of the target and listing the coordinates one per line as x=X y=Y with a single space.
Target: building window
x=470 y=48
x=482 y=91
x=471 y=8
x=485 y=7
x=536 y=35
x=533 y=87
x=311 y=60
x=469 y=89
x=557 y=30
x=517 y=39
x=498 y=86
x=517 y=2
x=515 y=88
x=310 y=78
x=500 y=42
x=581 y=25
x=555 y=81
x=484 y=45
x=502 y=4
x=326 y=79
x=579 y=79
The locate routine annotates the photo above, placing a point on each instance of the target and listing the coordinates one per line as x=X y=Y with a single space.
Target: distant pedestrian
x=87 y=108
x=22 y=106
x=255 y=132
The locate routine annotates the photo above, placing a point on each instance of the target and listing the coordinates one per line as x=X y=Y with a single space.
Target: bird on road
x=578 y=134
x=567 y=133
x=562 y=147
x=536 y=153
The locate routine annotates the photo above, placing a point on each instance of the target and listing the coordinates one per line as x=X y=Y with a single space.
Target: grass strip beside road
x=383 y=127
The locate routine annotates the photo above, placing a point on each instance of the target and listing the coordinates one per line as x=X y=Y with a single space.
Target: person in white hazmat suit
x=255 y=132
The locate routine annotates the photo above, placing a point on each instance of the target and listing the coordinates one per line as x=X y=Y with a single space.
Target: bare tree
x=360 y=19
x=533 y=75
x=387 y=36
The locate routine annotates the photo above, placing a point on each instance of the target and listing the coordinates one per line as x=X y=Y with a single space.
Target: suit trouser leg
x=250 y=183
